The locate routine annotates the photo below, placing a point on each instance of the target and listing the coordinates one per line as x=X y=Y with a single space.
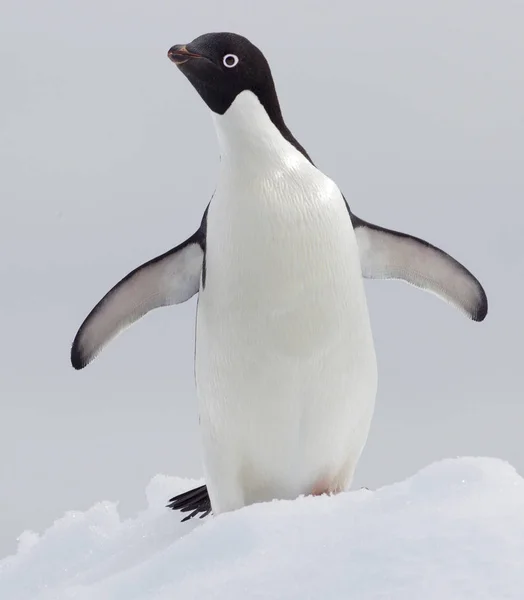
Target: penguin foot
x=195 y=501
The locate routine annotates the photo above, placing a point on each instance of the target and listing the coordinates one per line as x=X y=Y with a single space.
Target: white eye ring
x=230 y=60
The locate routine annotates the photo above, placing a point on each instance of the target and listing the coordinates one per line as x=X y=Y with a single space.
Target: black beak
x=179 y=54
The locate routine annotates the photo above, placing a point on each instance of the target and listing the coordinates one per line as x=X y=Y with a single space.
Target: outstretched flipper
x=387 y=254
x=195 y=501
x=171 y=278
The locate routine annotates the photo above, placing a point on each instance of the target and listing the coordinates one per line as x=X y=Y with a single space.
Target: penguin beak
x=179 y=54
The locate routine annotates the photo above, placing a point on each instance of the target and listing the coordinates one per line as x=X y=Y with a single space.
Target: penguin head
x=222 y=65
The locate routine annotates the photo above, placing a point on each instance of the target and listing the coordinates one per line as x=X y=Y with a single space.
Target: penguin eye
x=230 y=60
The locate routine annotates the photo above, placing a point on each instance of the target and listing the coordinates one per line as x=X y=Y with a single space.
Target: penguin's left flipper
x=387 y=254
x=171 y=278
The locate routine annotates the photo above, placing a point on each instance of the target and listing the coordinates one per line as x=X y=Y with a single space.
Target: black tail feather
x=195 y=501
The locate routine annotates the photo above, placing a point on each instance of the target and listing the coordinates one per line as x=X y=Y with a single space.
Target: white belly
x=285 y=364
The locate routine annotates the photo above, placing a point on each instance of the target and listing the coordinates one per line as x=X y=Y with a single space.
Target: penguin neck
x=250 y=137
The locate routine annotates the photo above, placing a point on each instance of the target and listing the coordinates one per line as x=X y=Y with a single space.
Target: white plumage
x=285 y=364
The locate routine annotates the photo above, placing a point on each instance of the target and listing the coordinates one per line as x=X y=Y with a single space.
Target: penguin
x=285 y=365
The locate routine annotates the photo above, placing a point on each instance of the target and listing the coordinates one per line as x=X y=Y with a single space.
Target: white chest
x=277 y=226
x=281 y=253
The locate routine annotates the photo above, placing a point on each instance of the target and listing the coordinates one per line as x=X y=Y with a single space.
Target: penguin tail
x=195 y=501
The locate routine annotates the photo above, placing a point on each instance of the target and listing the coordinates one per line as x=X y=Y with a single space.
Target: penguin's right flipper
x=388 y=254
x=195 y=501
x=171 y=278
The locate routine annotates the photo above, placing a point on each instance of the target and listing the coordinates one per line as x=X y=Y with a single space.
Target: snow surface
x=454 y=530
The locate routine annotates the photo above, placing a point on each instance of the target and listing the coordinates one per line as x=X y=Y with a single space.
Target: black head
x=222 y=65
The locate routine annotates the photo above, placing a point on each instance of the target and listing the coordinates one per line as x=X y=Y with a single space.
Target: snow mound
x=453 y=531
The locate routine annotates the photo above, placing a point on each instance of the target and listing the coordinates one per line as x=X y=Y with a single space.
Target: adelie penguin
x=286 y=375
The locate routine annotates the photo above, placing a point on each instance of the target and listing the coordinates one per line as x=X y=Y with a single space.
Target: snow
x=455 y=530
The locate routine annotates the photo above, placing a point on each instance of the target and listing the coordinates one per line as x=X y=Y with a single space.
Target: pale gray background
x=108 y=158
